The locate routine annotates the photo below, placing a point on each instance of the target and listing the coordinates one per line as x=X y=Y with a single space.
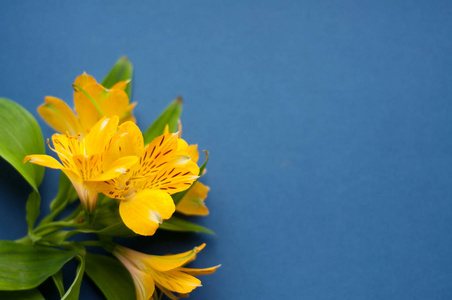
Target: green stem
x=52 y=214
x=54 y=226
x=70 y=221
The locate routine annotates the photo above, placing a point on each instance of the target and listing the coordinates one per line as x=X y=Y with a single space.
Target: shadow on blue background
x=328 y=125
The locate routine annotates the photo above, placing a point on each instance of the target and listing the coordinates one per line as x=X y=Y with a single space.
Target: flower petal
x=59 y=116
x=184 y=149
x=163 y=168
x=170 y=262
x=98 y=139
x=198 y=272
x=173 y=177
x=158 y=153
x=176 y=281
x=86 y=110
x=118 y=168
x=121 y=85
x=193 y=202
x=43 y=160
x=114 y=103
x=144 y=284
x=128 y=141
x=144 y=211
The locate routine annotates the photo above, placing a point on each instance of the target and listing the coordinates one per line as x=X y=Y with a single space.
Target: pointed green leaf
x=58 y=280
x=110 y=276
x=177 y=224
x=20 y=136
x=170 y=116
x=121 y=71
x=27 y=266
x=32 y=209
x=74 y=290
x=32 y=294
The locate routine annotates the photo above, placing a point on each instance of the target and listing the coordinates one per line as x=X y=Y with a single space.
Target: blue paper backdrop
x=328 y=124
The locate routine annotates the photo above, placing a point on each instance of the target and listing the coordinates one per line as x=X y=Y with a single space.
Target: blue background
x=328 y=124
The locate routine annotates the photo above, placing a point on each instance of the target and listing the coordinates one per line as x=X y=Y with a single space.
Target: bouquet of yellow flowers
x=128 y=182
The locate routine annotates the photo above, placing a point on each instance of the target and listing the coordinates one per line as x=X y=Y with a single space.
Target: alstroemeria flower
x=85 y=161
x=145 y=191
x=166 y=272
x=92 y=102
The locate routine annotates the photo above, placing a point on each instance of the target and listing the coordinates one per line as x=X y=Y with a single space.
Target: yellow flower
x=84 y=159
x=166 y=272
x=163 y=169
x=92 y=102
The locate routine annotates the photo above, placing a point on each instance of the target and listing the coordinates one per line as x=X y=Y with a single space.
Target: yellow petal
x=84 y=80
x=164 y=169
x=59 y=116
x=113 y=188
x=43 y=160
x=176 y=281
x=87 y=193
x=144 y=211
x=128 y=141
x=193 y=202
x=86 y=110
x=184 y=149
x=115 y=103
x=158 y=153
x=121 y=85
x=193 y=152
x=144 y=284
x=98 y=139
x=173 y=177
x=170 y=262
x=118 y=168
x=86 y=166
x=198 y=272
x=181 y=144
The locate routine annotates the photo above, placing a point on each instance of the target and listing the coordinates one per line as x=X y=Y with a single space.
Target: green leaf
x=32 y=294
x=27 y=266
x=74 y=290
x=58 y=280
x=203 y=166
x=177 y=224
x=110 y=276
x=170 y=116
x=121 y=71
x=32 y=209
x=178 y=196
x=20 y=136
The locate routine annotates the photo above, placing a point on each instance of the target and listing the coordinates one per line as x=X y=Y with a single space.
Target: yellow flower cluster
x=101 y=150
